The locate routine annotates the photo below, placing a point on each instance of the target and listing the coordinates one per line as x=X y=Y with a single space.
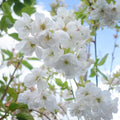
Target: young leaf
x=24 y=116
x=102 y=74
x=9 y=53
x=18 y=7
x=26 y=64
x=15 y=36
x=92 y=74
x=14 y=106
x=29 y=10
x=33 y=58
x=6 y=8
x=59 y=82
x=12 y=93
x=69 y=99
x=65 y=85
x=29 y=2
x=103 y=60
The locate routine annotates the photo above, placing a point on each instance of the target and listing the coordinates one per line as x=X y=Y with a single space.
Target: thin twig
x=112 y=59
x=72 y=90
x=65 y=113
x=11 y=78
x=114 y=48
x=4 y=116
x=41 y=114
x=95 y=46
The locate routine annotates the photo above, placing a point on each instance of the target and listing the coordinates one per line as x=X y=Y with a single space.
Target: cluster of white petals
x=38 y=96
x=60 y=41
x=108 y=14
x=58 y=3
x=113 y=80
x=93 y=103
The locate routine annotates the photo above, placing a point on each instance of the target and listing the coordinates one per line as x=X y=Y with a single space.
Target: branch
x=96 y=58
x=114 y=48
x=11 y=78
x=65 y=112
x=41 y=113
x=113 y=53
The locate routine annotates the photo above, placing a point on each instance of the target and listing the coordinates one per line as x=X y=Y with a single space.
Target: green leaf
x=67 y=51
x=1 y=83
x=93 y=73
x=96 y=62
x=10 y=2
x=6 y=8
x=102 y=74
x=26 y=64
x=20 y=54
x=117 y=26
x=109 y=1
x=14 y=106
x=2 y=87
x=18 y=7
x=59 y=82
x=33 y=58
x=7 y=21
x=69 y=99
x=7 y=52
x=103 y=60
x=65 y=85
x=5 y=78
x=3 y=24
x=12 y=93
x=30 y=2
x=29 y=10
x=15 y=36
x=24 y=116
x=87 y=2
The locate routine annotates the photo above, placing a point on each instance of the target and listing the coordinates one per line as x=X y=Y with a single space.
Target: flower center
x=66 y=62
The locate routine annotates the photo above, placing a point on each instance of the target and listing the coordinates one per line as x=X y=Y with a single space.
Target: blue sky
x=105 y=39
x=70 y=3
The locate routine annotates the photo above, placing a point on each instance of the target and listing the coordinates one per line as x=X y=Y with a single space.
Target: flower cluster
x=93 y=103
x=108 y=14
x=38 y=95
x=113 y=79
x=60 y=41
x=58 y=3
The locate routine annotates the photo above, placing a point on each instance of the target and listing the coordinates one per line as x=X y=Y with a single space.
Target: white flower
x=28 y=97
x=77 y=31
x=50 y=55
x=27 y=46
x=93 y=103
x=108 y=14
x=101 y=8
x=23 y=26
x=36 y=77
x=79 y=109
x=41 y=23
x=55 y=3
x=60 y=24
x=66 y=15
x=48 y=101
x=45 y=39
x=63 y=38
x=68 y=64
